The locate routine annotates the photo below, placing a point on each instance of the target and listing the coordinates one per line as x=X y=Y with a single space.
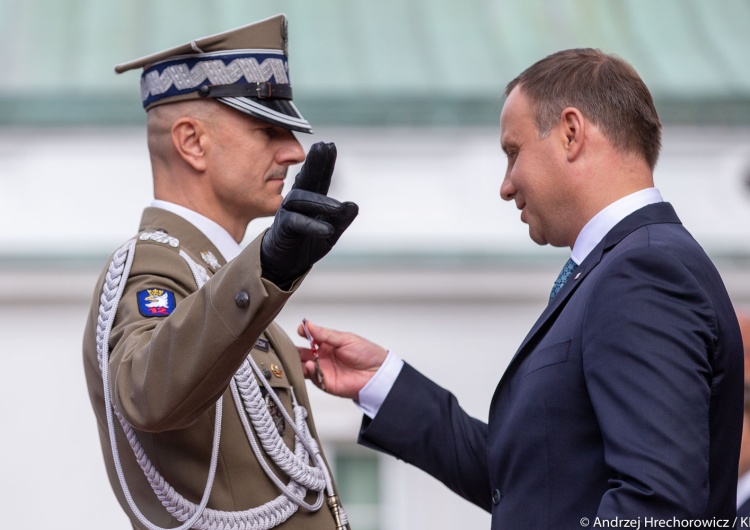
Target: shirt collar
x=605 y=220
x=220 y=238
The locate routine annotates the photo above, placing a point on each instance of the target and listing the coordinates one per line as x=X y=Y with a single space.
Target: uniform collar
x=217 y=235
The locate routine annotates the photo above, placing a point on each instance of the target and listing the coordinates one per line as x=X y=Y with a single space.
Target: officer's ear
x=188 y=137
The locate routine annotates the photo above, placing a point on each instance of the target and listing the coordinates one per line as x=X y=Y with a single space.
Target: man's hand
x=308 y=223
x=347 y=361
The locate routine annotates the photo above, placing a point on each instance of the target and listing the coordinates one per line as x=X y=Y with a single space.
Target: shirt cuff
x=373 y=394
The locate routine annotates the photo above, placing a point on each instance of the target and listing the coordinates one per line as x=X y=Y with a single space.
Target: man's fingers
x=294 y=223
x=308 y=369
x=311 y=203
x=323 y=335
x=316 y=215
x=345 y=216
x=317 y=170
x=305 y=354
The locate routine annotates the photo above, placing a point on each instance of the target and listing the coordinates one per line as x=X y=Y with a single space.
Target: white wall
x=81 y=192
x=425 y=190
x=51 y=471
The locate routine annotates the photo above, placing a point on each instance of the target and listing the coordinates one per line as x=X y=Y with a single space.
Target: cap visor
x=281 y=112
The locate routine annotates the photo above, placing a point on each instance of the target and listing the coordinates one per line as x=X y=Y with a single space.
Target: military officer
x=200 y=399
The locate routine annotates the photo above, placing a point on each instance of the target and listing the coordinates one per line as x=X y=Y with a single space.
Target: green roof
x=416 y=62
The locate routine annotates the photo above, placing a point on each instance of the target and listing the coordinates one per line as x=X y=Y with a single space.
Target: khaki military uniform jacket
x=167 y=373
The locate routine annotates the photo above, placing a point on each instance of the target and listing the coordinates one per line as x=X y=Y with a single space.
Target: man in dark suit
x=624 y=401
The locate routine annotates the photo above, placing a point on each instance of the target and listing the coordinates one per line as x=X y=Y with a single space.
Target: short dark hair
x=605 y=88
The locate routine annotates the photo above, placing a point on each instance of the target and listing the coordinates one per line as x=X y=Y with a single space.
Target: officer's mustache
x=277 y=174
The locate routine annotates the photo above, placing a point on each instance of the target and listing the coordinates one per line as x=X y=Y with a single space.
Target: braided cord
x=245 y=390
x=114 y=285
x=302 y=432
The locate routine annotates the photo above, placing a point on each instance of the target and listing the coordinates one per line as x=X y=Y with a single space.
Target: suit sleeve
x=423 y=424
x=648 y=341
x=166 y=371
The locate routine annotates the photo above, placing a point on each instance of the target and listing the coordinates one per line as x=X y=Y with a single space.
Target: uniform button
x=242 y=299
x=496 y=496
x=266 y=373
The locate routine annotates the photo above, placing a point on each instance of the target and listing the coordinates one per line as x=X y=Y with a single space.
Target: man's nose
x=291 y=151
x=507 y=190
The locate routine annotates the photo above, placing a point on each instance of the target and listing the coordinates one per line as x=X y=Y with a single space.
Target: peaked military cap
x=246 y=68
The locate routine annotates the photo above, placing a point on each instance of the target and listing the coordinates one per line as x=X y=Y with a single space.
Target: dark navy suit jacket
x=624 y=400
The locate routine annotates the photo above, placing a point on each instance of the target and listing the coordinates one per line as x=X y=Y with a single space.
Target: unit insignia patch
x=155 y=302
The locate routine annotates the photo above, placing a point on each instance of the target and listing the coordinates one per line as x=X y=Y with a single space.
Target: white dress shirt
x=220 y=238
x=373 y=394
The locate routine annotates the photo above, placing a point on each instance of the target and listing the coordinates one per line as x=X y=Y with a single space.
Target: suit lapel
x=651 y=214
x=554 y=307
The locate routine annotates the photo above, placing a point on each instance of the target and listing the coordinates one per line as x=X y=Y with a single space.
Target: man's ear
x=188 y=137
x=573 y=126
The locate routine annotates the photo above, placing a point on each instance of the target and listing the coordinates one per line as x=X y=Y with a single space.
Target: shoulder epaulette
x=160 y=236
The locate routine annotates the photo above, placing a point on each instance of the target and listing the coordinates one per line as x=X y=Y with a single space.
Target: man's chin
x=273 y=207
x=537 y=238
x=541 y=240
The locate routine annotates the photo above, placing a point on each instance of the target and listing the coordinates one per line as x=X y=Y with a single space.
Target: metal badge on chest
x=270 y=370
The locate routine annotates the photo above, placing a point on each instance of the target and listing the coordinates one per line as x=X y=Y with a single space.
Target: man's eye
x=269 y=132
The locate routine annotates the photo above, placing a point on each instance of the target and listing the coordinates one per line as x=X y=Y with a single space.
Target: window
x=357 y=474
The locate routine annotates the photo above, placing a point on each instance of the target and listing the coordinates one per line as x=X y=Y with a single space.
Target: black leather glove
x=308 y=223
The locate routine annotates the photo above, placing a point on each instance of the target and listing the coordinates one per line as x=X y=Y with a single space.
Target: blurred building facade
x=436 y=267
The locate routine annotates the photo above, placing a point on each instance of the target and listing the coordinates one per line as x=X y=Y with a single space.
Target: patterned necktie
x=565 y=273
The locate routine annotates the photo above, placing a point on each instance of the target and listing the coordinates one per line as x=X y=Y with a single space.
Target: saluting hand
x=308 y=223
x=346 y=360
